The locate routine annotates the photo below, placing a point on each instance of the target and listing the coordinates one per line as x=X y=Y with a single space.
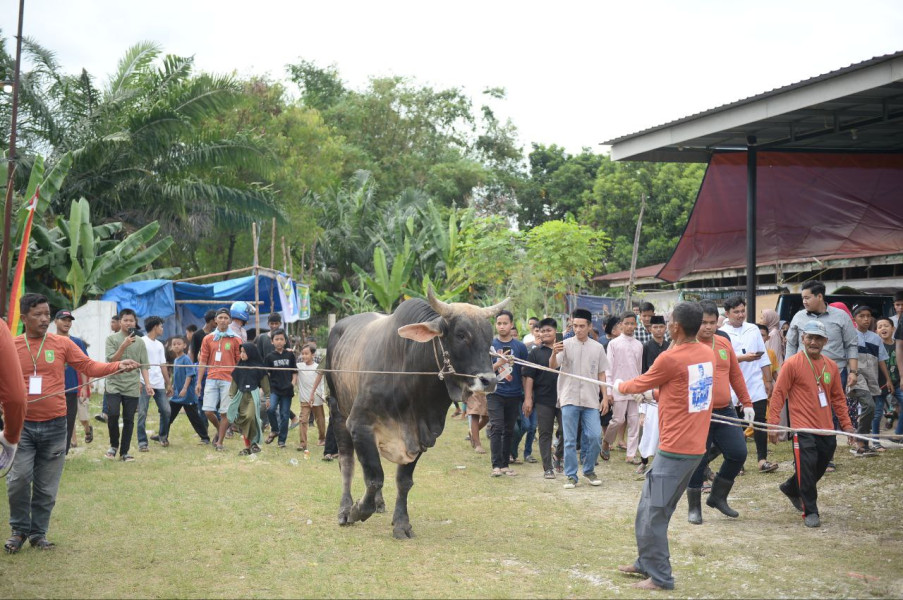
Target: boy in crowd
x=657 y=344
x=504 y=404
x=541 y=392
x=885 y=329
x=157 y=384
x=282 y=386
x=811 y=382
x=184 y=377
x=579 y=399
x=625 y=359
x=643 y=332
x=220 y=350
x=123 y=390
x=866 y=390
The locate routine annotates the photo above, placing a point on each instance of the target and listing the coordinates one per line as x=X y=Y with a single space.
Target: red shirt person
x=810 y=384
x=34 y=479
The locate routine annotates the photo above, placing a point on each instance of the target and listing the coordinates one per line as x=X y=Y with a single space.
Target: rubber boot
x=721 y=487
x=694 y=499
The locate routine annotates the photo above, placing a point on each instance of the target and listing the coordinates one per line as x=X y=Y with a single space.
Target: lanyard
x=818 y=381
x=34 y=359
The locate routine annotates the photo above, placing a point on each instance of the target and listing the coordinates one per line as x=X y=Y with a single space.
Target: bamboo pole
x=254 y=240
x=636 y=248
x=232 y=272
x=272 y=260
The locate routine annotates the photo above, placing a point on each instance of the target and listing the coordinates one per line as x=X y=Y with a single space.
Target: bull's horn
x=491 y=311
x=444 y=310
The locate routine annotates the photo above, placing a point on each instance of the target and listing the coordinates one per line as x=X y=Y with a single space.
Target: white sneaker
x=571 y=483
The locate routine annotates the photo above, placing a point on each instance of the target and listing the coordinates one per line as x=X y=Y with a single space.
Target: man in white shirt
x=157 y=384
x=756 y=367
x=579 y=399
x=625 y=359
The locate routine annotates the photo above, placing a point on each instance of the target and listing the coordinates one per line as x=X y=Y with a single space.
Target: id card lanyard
x=34 y=382
x=822 y=397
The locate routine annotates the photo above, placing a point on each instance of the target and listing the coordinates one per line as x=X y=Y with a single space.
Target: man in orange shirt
x=684 y=377
x=220 y=350
x=12 y=398
x=34 y=479
x=811 y=384
x=727 y=438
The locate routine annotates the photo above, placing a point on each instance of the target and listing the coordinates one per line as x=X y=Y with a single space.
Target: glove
x=639 y=398
x=7 y=454
x=749 y=414
x=617 y=385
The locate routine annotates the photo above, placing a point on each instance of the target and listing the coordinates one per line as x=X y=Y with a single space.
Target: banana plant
x=388 y=286
x=80 y=259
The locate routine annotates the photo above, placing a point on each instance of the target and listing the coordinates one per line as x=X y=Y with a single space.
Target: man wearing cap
x=220 y=351
x=810 y=383
x=34 y=478
x=76 y=399
x=579 y=399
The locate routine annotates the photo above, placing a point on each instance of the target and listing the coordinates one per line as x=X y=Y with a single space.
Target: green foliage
x=559 y=184
x=352 y=301
x=77 y=259
x=490 y=253
x=387 y=286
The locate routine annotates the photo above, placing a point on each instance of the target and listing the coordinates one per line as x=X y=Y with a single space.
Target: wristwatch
x=854 y=371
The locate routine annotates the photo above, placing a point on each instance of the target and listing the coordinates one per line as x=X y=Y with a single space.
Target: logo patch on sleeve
x=49 y=355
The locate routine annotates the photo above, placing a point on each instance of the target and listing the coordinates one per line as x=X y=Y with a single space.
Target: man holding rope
x=34 y=479
x=812 y=385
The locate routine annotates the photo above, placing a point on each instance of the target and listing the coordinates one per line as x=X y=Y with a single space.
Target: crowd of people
x=672 y=392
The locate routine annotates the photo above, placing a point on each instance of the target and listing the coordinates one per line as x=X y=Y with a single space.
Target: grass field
x=185 y=521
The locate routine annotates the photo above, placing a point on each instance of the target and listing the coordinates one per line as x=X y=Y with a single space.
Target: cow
x=400 y=416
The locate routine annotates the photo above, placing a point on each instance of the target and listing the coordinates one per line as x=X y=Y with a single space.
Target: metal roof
x=858 y=108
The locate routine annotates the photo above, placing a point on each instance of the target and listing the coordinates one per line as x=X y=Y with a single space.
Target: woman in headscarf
x=772 y=320
x=249 y=380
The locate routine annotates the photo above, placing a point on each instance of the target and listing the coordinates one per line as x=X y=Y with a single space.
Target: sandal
x=768 y=467
x=831 y=468
x=111 y=453
x=272 y=436
x=244 y=452
x=41 y=543
x=89 y=435
x=606 y=454
x=14 y=543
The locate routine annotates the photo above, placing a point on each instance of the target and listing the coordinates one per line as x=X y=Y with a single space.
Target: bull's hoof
x=403 y=532
x=344 y=520
x=358 y=514
x=380 y=507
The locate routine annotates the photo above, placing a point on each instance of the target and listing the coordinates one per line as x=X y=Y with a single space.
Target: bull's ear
x=421 y=332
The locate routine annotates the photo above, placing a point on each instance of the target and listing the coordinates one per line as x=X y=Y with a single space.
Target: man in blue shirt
x=76 y=399
x=505 y=404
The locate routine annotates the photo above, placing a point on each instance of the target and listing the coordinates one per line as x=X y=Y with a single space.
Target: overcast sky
x=577 y=73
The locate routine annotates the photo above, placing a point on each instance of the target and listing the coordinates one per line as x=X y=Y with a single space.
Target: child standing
x=625 y=355
x=872 y=357
x=894 y=398
x=249 y=380
x=184 y=378
x=282 y=386
x=310 y=391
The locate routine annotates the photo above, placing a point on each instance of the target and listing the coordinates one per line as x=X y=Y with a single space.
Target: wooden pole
x=254 y=240
x=272 y=260
x=636 y=249
x=232 y=272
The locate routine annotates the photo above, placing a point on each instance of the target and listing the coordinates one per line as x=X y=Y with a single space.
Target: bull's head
x=466 y=335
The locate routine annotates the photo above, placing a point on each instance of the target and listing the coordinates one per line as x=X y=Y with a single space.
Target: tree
x=558 y=184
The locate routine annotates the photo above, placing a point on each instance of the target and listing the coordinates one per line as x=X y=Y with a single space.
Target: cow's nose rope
x=445 y=367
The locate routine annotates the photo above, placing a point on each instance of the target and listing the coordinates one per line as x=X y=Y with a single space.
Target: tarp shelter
x=854 y=110
x=173 y=301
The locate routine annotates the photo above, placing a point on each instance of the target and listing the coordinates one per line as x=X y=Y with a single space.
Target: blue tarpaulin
x=153 y=297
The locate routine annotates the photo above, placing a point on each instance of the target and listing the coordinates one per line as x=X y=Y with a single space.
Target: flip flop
x=606 y=454
x=89 y=435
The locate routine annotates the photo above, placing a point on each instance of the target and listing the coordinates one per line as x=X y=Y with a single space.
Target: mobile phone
x=506 y=349
x=559 y=337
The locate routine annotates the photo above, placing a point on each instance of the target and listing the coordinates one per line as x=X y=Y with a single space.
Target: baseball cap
x=861 y=307
x=63 y=314
x=815 y=328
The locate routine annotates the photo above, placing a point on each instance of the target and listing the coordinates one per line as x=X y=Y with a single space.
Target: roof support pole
x=751 y=201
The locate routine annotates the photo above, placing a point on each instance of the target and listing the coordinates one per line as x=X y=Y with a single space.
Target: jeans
x=898 y=394
x=529 y=425
x=879 y=414
x=71 y=412
x=34 y=479
x=129 y=405
x=283 y=405
x=732 y=443
x=503 y=413
x=162 y=407
x=588 y=419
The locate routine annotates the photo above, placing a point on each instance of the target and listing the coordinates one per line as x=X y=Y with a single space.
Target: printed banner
x=288 y=298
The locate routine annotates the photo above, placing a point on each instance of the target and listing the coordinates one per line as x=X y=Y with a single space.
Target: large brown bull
x=400 y=416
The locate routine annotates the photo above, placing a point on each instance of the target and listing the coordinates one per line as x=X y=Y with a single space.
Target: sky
x=576 y=73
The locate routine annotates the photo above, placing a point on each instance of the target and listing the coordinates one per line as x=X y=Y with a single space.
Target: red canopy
x=809 y=205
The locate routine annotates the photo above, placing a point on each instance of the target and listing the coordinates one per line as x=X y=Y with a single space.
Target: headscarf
x=842 y=307
x=248 y=379
x=772 y=320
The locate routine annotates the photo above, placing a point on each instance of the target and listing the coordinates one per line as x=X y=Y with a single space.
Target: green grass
x=185 y=521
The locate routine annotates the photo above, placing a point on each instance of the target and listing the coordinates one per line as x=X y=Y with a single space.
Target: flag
x=19 y=277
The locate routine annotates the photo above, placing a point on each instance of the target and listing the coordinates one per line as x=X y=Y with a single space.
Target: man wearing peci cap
x=810 y=383
x=78 y=394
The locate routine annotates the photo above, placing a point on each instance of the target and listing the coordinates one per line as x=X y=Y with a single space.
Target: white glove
x=7 y=453
x=749 y=413
x=639 y=398
x=617 y=385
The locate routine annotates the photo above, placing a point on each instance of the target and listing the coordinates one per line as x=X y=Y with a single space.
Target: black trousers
x=815 y=452
x=331 y=444
x=128 y=405
x=71 y=412
x=503 y=414
x=198 y=423
x=760 y=437
x=545 y=428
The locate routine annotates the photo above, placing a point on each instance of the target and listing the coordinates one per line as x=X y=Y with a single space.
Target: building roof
x=858 y=108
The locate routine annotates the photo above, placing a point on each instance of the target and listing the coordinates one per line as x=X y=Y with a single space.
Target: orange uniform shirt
x=727 y=375
x=797 y=379
x=684 y=376
x=230 y=353
x=50 y=362
x=12 y=391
